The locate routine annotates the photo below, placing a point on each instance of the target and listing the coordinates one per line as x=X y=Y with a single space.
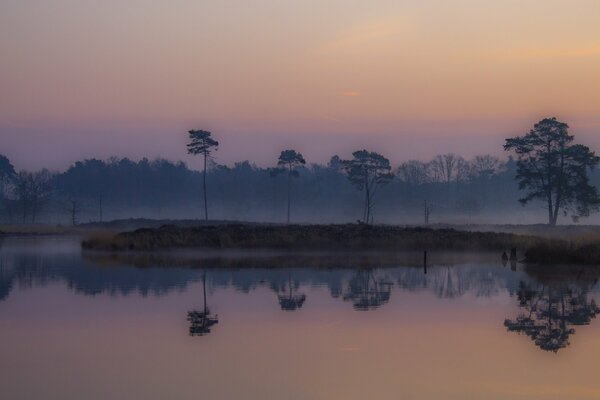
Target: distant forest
x=446 y=189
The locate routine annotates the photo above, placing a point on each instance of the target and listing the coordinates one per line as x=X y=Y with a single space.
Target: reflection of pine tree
x=201 y=321
x=550 y=312
x=367 y=291
x=289 y=299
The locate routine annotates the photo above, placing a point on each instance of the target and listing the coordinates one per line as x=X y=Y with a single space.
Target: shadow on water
x=550 y=302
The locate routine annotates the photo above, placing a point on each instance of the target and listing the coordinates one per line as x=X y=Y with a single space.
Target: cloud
x=366 y=34
x=350 y=93
x=537 y=53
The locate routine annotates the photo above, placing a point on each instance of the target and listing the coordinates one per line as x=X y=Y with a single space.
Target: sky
x=410 y=79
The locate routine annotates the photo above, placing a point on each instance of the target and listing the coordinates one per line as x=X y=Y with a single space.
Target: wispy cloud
x=535 y=53
x=367 y=33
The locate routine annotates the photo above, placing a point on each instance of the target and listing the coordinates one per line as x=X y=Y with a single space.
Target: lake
x=264 y=325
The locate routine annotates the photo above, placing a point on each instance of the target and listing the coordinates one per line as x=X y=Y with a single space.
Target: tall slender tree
x=551 y=168
x=202 y=143
x=288 y=162
x=367 y=171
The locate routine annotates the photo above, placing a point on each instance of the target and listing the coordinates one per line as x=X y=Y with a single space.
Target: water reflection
x=201 y=320
x=549 y=303
x=366 y=290
x=289 y=297
x=452 y=281
x=549 y=313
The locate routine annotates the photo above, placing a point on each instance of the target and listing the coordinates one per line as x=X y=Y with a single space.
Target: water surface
x=276 y=326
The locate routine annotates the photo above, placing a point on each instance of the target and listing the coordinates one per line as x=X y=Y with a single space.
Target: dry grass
x=564 y=252
x=308 y=237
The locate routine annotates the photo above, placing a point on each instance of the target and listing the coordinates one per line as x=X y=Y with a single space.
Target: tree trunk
x=100 y=205
x=24 y=211
x=551 y=220
x=559 y=190
x=368 y=205
x=73 y=212
x=556 y=210
x=33 y=211
x=204 y=186
x=289 y=188
x=364 y=217
x=204 y=293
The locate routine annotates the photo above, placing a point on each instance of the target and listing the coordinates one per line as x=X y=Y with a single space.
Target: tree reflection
x=367 y=291
x=201 y=321
x=289 y=298
x=549 y=313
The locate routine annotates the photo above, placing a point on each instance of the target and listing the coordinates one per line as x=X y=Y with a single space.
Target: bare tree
x=484 y=166
x=413 y=172
x=32 y=190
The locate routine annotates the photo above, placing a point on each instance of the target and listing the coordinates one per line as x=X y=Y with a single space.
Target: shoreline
x=569 y=244
x=344 y=237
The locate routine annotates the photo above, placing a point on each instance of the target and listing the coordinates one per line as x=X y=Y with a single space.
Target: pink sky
x=128 y=78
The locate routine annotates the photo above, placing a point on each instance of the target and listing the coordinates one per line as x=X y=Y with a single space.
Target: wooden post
x=425 y=262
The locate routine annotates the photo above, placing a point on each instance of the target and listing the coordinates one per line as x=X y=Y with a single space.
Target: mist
x=479 y=190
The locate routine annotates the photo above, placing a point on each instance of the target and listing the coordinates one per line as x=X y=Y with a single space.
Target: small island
x=533 y=249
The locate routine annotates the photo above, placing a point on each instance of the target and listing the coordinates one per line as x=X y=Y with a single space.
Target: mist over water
x=469 y=324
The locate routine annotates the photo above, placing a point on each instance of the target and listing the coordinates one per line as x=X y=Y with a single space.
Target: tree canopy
x=289 y=161
x=201 y=142
x=7 y=175
x=550 y=167
x=367 y=171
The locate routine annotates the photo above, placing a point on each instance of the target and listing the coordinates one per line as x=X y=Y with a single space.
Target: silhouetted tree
x=484 y=166
x=32 y=190
x=90 y=181
x=551 y=168
x=73 y=210
x=201 y=142
x=413 y=173
x=7 y=175
x=426 y=212
x=7 y=178
x=289 y=161
x=123 y=188
x=367 y=171
x=447 y=168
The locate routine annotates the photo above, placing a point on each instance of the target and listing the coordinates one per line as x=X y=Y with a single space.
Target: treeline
x=449 y=187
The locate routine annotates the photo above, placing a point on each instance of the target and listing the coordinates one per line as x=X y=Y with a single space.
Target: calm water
x=80 y=326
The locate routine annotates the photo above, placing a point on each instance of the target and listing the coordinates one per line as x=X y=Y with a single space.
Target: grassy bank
x=564 y=252
x=308 y=237
x=52 y=230
x=252 y=258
